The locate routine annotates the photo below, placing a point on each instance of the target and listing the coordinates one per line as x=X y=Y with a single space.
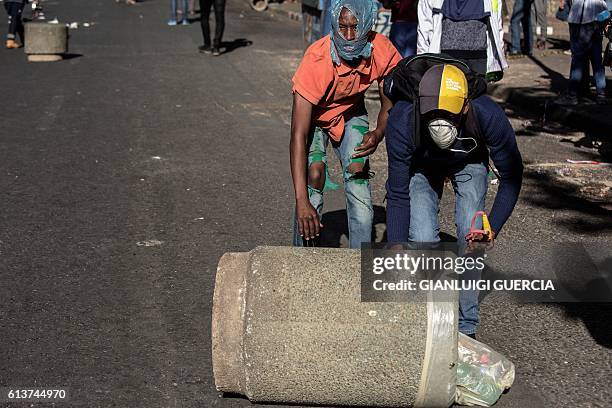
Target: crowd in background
x=470 y=30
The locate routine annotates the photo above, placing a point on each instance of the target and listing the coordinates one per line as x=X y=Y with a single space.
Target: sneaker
x=216 y=52
x=171 y=22
x=206 y=49
x=514 y=53
x=601 y=99
x=185 y=22
x=567 y=100
x=12 y=44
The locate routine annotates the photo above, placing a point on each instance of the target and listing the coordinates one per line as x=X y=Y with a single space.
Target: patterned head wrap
x=365 y=11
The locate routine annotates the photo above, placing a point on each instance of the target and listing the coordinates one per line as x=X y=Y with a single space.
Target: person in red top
x=404 y=24
x=328 y=107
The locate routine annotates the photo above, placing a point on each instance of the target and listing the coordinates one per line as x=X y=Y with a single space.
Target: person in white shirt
x=465 y=29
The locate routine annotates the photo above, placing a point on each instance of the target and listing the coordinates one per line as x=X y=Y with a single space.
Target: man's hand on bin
x=309 y=225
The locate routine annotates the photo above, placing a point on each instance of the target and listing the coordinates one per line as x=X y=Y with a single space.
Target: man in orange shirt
x=328 y=107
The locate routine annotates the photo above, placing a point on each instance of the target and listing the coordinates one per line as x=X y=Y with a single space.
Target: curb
x=290 y=14
x=589 y=118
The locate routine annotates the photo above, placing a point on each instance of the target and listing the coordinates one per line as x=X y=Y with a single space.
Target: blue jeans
x=470 y=186
x=357 y=190
x=585 y=42
x=521 y=16
x=173 y=9
x=404 y=36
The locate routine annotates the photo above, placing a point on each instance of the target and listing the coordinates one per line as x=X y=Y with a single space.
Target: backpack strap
x=417 y=125
x=473 y=124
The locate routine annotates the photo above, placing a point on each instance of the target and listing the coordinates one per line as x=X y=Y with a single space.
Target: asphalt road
x=130 y=168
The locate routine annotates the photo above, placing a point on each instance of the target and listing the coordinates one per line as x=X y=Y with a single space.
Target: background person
x=404 y=24
x=205 y=6
x=586 y=44
x=14 y=10
x=175 y=11
x=521 y=19
x=469 y=30
x=192 y=12
x=541 y=17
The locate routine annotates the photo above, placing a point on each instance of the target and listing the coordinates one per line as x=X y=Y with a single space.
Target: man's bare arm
x=309 y=224
x=373 y=138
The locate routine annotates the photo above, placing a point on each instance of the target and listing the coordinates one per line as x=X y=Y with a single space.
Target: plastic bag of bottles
x=482 y=373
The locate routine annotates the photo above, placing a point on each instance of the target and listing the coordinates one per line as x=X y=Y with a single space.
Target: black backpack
x=402 y=84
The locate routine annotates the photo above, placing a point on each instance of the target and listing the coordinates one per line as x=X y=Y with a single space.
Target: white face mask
x=444 y=134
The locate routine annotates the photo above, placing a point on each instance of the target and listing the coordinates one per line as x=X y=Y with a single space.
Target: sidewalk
x=289 y=9
x=532 y=84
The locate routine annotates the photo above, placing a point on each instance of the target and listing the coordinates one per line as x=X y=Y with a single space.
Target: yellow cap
x=443 y=87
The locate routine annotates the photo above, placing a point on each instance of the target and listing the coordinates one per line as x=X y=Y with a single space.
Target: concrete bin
x=288 y=327
x=45 y=42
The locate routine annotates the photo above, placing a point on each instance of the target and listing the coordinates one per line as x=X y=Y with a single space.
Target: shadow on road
x=229 y=46
x=589 y=281
x=536 y=102
x=558 y=83
x=555 y=194
x=597 y=318
x=582 y=284
x=558 y=44
x=336 y=225
x=70 y=56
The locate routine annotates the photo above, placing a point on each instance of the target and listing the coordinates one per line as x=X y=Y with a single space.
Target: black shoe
x=216 y=52
x=206 y=49
x=472 y=335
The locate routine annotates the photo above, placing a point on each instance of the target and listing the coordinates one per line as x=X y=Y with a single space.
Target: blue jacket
x=496 y=133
